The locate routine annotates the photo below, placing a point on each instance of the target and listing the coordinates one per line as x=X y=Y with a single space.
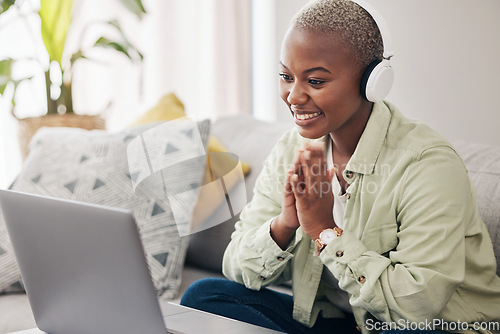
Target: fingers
x=288 y=195
x=314 y=168
x=310 y=174
x=298 y=185
x=296 y=165
x=288 y=186
x=297 y=178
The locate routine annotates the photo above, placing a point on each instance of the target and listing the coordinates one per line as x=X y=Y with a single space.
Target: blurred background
x=221 y=58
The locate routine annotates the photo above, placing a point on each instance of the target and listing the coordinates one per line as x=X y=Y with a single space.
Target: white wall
x=446 y=64
x=270 y=19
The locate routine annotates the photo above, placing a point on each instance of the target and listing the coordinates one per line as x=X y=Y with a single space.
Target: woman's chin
x=309 y=133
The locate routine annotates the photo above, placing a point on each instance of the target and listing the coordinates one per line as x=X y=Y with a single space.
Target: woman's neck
x=346 y=139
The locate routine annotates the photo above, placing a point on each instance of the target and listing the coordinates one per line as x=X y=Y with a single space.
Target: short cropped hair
x=347 y=19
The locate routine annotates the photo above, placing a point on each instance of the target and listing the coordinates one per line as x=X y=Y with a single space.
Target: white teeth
x=306 y=116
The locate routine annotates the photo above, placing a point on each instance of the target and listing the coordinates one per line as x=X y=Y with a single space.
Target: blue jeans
x=265 y=308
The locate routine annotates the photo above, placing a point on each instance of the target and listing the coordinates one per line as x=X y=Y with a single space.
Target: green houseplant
x=55 y=17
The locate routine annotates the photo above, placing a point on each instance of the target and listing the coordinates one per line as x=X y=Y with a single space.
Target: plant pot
x=29 y=126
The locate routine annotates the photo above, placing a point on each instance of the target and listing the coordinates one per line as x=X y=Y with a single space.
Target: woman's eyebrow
x=313 y=69
x=319 y=68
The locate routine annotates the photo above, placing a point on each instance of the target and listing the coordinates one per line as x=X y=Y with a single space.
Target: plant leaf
x=107 y=43
x=124 y=40
x=135 y=6
x=6 y=78
x=5 y=74
x=77 y=55
x=123 y=45
x=5 y=5
x=56 y=19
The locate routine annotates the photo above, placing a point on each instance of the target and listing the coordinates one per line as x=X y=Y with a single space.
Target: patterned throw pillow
x=164 y=163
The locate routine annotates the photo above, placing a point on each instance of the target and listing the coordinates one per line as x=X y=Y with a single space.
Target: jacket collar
x=370 y=144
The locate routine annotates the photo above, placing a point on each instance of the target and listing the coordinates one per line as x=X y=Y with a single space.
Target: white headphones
x=379 y=76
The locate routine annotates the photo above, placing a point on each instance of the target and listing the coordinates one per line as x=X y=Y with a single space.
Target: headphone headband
x=378 y=77
x=382 y=27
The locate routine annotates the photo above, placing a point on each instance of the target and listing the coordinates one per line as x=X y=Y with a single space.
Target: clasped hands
x=307 y=196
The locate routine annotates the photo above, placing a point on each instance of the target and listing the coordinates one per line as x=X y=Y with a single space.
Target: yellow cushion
x=214 y=145
x=168 y=108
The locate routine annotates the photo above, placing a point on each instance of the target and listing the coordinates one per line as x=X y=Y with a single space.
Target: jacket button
x=262 y=278
x=280 y=258
x=349 y=174
x=339 y=253
x=348 y=195
x=362 y=279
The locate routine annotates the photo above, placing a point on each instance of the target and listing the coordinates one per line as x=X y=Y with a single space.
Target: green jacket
x=414 y=248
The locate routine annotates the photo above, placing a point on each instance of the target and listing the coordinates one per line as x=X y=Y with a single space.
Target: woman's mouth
x=306 y=118
x=303 y=117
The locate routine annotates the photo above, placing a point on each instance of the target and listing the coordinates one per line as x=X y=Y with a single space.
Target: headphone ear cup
x=377 y=80
x=366 y=76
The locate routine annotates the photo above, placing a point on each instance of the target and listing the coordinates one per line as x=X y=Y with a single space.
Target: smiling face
x=320 y=83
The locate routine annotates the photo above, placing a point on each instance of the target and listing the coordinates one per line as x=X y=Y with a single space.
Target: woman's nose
x=297 y=95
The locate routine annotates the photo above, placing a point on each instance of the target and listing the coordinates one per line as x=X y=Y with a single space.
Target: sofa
x=251 y=140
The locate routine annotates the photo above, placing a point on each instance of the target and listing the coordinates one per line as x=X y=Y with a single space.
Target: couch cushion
x=251 y=140
x=483 y=163
x=129 y=170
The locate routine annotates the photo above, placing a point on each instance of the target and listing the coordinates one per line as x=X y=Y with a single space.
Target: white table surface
x=171 y=310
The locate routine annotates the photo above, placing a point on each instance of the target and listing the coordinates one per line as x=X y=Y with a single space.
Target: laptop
x=85 y=271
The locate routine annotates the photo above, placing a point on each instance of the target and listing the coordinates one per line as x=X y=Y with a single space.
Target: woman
x=396 y=239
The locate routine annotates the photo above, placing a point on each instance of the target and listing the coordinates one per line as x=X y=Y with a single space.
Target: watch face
x=327 y=236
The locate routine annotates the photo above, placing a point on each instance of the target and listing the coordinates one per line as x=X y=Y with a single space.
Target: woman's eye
x=285 y=77
x=316 y=82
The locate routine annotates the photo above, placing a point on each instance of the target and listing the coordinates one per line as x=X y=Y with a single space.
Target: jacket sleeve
x=417 y=278
x=252 y=257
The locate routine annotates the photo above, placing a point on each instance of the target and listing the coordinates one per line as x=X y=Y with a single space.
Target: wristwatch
x=325 y=237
